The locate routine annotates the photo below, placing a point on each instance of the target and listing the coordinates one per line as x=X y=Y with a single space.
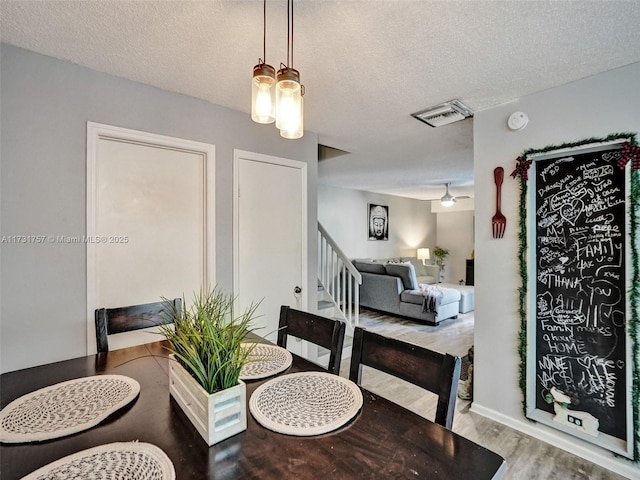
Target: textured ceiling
x=366 y=65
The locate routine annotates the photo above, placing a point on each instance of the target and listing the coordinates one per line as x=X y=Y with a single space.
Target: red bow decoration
x=522 y=167
x=630 y=152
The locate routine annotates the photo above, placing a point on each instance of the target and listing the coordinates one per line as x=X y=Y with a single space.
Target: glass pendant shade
x=289 y=103
x=263 y=105
x=299 y=131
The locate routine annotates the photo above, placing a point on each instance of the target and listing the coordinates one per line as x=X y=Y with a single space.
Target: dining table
x=383 y=440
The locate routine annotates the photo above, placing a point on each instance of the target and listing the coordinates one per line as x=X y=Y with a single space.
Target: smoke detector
x=444 y=114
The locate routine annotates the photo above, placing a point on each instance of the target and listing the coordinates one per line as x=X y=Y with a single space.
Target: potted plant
x=205 y=341
x=440 y=254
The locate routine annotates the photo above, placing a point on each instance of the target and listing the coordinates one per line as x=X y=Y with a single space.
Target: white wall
x=593 y=107
x=455 y=233
x=343 y=212
x=45 y=104
x=412 y=224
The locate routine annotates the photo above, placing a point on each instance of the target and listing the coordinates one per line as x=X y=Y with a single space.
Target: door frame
x=99 y=131
x=239 y=155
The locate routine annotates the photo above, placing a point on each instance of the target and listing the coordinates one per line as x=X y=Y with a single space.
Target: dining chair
x=134 y=317
x=323 y=331
x=436 y=372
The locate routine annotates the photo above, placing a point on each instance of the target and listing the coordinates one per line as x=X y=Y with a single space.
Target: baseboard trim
x=541 y=432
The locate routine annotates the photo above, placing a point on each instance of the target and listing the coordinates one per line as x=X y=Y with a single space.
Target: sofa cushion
x=412 y=296
x=417 y=264
x=416 y=296
x=426 y=279
x=449 y=295
x=406 y=272
x=370 y=267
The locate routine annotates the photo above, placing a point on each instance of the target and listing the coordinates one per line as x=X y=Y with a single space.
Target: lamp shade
x=289 y=103
x=424 y=254
x=298 y=132
x=263 y=105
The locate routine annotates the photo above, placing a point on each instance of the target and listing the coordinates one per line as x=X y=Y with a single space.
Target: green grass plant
x=206 y=338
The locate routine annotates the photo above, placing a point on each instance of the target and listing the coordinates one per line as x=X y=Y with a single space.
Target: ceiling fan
x=447 y=200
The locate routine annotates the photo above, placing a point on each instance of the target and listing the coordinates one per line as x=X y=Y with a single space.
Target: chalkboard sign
x=578 y=205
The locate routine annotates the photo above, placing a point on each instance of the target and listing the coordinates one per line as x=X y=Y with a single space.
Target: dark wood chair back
x=326 y=332
x=134 y=317
x=439 y=373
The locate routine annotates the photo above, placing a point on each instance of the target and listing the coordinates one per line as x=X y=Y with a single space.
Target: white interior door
x=148 y=234
x=270 y=239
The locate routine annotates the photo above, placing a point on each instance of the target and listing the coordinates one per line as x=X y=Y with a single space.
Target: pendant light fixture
x=263 y=105
x=289 y=91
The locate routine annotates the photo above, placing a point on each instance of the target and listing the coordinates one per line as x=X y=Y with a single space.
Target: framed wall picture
x=378 y=221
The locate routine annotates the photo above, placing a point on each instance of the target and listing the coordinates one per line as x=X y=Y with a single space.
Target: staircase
x=339 y=281
x=338 y=287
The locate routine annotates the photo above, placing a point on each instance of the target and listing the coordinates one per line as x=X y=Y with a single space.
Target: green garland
x=522 y=294
x=634 y=291
x=634 y=298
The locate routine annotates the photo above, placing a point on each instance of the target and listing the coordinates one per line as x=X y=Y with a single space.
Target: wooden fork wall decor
x=499 y=222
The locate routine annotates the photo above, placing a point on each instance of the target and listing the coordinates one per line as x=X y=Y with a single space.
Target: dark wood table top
x=384 y=440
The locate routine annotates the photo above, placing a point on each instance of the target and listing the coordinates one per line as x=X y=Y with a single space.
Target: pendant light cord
x=288 y=32
x=264 y=32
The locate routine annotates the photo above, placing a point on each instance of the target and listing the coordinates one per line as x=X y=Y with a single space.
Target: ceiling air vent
x=443 y=114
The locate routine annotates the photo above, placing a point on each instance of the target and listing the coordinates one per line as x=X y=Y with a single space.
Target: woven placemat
x=305 y=403
x=265 y=360
x=130 y=460
x=65 y=408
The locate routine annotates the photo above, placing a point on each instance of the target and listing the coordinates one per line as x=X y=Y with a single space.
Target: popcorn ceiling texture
x=366 y=65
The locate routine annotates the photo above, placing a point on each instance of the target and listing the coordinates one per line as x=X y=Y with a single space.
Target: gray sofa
x=392 y=286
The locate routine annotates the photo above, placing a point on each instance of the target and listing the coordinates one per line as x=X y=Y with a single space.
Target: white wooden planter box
x=216 y=416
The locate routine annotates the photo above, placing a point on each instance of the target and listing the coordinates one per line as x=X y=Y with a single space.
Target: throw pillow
x=394 y=261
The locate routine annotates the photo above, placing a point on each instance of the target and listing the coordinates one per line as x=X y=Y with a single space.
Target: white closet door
x=149 y=227
x=270 y=229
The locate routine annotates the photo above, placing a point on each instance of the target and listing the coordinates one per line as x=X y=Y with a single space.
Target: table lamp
x=424 y=254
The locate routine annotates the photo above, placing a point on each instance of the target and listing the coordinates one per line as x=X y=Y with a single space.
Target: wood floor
x=527 y=458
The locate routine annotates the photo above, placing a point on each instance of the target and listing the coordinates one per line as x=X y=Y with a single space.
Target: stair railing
x=339 y=277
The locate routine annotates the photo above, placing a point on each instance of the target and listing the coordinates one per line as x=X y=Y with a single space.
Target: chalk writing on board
x=580 y=286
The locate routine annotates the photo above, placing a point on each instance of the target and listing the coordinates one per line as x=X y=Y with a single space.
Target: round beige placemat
x=127 y=460
x=65 y=408
x=305 y=403
x=265 y=360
